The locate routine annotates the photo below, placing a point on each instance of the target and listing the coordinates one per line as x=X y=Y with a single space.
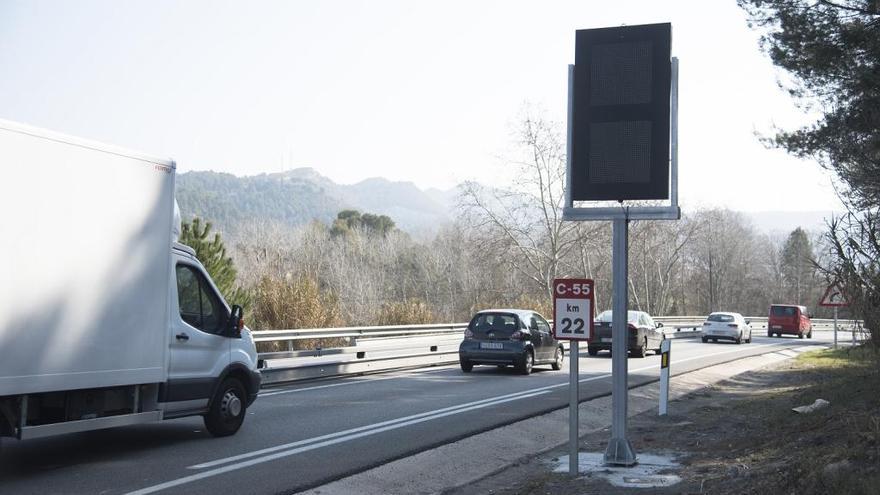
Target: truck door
x=198 y=352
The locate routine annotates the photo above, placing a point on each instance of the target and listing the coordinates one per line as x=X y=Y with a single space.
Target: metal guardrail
x=383 y=348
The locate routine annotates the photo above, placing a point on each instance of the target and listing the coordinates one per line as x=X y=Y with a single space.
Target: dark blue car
x=502 y=337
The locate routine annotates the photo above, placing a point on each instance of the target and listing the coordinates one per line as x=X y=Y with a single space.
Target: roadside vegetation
x=831 y=450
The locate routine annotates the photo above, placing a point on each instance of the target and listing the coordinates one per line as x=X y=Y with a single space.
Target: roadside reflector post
x=665 y=361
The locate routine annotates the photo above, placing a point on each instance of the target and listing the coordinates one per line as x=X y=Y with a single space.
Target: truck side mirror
x=235 y=322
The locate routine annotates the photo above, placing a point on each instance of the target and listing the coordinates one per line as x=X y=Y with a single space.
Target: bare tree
x=523 y=223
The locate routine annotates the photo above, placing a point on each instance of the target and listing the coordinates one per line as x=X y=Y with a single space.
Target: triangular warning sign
x=834 y=296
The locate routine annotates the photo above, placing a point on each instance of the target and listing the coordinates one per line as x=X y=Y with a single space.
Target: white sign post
x=573 y=321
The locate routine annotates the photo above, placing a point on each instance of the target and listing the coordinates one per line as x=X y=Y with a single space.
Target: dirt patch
x=741 y=436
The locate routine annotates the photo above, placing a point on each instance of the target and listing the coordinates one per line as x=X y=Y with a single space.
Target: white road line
x=313 y=446
x=271 y=392
x=293 y=448
x=406 y=418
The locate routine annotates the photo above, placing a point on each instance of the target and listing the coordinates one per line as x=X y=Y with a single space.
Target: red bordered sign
x=834 y=296
x=573 y=308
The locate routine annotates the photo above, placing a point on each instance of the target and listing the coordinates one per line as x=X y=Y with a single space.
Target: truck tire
x=228 y=408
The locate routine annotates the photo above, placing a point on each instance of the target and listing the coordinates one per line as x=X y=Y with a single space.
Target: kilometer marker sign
x=573 y=309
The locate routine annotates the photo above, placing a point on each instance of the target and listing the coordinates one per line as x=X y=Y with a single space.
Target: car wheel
x=466 y=366
x=705 y=339
x=228 y=409
x=770 y=334
x=592 y=351
x=642 y=350
x=557 y=361
x=801 y=335
x=810 y=334
x=739 y=340
x=527 y=362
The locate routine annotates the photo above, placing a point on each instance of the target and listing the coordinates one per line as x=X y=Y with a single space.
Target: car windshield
x=605 y=317
x=783 y=311
x=720 y=317
x=497 y=323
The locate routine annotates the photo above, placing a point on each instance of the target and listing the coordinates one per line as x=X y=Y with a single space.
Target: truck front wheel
x=227 y=409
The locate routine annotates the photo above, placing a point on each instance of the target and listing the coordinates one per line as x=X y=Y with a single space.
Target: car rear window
x=499 y=323
x=722 y=318
x=605 y=317
x=783 y=311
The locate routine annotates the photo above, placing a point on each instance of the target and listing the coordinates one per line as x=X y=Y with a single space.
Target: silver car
x=723 y=325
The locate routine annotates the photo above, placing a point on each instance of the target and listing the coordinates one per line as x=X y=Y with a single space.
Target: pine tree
x=212 y=253
x=798 y=270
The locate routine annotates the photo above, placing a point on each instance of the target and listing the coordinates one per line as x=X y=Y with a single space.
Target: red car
x=789 y=319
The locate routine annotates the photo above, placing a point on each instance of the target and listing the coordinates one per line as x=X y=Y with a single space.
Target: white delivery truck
x=105 y=320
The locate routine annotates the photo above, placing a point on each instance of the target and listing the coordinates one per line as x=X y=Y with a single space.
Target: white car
x=727 y=326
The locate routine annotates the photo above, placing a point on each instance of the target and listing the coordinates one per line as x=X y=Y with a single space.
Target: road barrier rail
x=385 y=348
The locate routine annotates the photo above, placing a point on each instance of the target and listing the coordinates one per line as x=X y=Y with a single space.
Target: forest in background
x=503 y=249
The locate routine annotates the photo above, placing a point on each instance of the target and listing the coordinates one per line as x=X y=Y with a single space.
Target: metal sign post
x=573 y=321
x=834 y=297
x=619 y=451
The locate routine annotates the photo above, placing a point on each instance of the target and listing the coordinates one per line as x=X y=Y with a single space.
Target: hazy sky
x=421 y=91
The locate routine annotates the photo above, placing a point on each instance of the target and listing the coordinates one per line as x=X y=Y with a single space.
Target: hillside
x=302 y=195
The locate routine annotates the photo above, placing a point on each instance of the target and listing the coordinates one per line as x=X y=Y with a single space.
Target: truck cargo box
x=86 y=239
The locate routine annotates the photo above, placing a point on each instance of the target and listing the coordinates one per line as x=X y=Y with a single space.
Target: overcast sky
x=421 y=91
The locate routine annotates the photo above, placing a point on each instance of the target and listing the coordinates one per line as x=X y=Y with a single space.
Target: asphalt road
x=304 y=435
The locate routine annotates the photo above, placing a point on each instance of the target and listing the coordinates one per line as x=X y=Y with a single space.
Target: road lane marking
x=325 y=443
x=488 y=401
x=406 y=418
x=279 y=391
x=293 y=448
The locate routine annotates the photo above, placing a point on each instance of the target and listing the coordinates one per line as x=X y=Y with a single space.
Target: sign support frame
x=619 y=451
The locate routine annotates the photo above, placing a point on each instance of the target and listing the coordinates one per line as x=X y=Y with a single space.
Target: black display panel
x=620 y=128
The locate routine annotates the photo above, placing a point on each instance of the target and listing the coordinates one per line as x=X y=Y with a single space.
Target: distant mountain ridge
x=302 y=195
x=299 y=196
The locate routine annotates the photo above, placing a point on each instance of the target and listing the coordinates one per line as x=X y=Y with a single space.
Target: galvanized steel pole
x=619 y=451
x=574 y=372
x=835 y=327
